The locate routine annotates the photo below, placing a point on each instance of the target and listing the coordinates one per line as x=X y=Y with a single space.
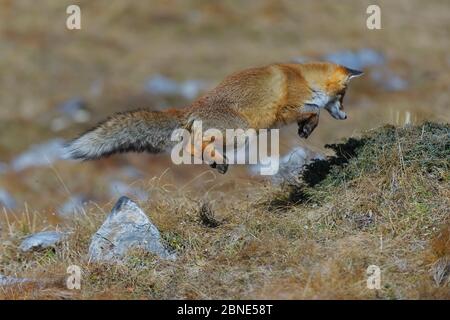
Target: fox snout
x=341 y=115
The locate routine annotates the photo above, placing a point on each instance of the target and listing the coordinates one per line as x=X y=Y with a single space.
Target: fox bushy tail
x=136 y=131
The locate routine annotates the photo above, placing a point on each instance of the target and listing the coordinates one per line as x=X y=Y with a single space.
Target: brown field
x=393 y=214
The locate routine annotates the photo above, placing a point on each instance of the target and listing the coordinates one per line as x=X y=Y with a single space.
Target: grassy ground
x=312 y=240
x=121 y=44
x=382 y=200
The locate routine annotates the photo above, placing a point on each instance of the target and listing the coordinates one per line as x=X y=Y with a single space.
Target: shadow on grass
x=316 y=171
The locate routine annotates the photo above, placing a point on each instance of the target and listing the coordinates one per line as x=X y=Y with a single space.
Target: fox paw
x=304 y=131
x=221 y=168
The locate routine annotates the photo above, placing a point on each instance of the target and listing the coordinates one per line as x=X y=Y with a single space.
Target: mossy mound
x=388 y=151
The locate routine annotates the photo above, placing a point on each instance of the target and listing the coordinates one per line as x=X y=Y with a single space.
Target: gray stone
x=39 y=155
x=289 y=166
x=131 y=172
x=6 y=200
x=72 y=207
x=388 y=80
x=162 y=85
x=75 y=109
x=125 y=228
x=41 y=240
x=3 y=167
x=191 y=89
x=9 y=281
x=119 y=188
x=358 y=59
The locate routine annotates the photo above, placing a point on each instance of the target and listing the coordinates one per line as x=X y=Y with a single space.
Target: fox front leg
x=307 y=122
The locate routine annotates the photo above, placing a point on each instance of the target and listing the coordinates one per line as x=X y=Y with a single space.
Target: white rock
x=3 y=167
x=191 y=89
x=72 y=207
x=131 y=172
x=39 y=155
x=359 y=59
x=388 y=80
x=41 y=240
x=119 y=188
x=125 y=228
x=6 y=200
x=75 y=109
x=289 y=166
x=162 y=85
x=9 y=281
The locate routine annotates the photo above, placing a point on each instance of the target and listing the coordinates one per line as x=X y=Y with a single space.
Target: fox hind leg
x=217 y=160
x=216 y=145
x=221 y=168
x=223 y=118
x=208 y=152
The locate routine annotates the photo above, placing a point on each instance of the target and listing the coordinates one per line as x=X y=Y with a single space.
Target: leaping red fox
x=258 y=98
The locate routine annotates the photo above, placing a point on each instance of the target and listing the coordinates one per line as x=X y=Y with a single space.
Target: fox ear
x=353 y=73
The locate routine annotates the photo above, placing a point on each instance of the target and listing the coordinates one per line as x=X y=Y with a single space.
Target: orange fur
x=256 y=98
x=266 y=97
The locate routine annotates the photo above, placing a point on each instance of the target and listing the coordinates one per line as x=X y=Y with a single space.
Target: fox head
x=335 y=87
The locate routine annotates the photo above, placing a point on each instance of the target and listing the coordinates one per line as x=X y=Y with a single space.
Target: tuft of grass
x=207 y=217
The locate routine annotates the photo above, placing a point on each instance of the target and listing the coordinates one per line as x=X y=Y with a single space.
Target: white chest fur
x=318 y=98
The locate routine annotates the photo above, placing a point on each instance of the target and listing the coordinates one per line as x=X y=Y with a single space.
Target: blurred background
x=55 y=83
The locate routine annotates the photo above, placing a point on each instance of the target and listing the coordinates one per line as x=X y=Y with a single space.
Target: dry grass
x=267 y=241
x=388 y=206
